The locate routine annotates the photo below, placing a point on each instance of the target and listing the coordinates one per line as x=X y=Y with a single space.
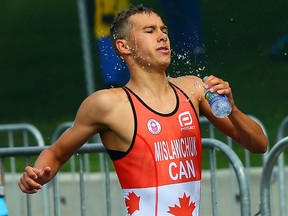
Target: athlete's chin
x=165 y=65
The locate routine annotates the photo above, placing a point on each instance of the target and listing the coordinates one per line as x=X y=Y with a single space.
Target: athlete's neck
x=155 y=84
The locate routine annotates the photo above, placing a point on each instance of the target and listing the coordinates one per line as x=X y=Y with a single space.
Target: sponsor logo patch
x=185 y=121
x=153 y=126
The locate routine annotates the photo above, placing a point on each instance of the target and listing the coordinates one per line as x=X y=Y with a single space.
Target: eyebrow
x=163 y=27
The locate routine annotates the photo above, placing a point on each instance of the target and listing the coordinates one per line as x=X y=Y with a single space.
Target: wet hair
x=121 y=26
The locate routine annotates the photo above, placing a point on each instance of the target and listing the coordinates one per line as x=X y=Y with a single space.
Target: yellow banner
x=105 y=11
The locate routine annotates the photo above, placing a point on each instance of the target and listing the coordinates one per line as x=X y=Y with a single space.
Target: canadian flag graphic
x=172 y=200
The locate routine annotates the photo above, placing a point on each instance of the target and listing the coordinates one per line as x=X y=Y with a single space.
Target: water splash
x=197 y=85
x=189 y=61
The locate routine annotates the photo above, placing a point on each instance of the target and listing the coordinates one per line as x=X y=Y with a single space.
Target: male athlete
x=149 y=127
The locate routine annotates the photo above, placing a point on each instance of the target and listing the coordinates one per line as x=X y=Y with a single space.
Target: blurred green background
x=42 y=73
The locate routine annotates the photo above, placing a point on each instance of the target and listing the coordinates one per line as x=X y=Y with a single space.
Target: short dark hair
x=121 y=27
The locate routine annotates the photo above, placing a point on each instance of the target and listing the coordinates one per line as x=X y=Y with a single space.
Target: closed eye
x=165 y=32
x=149 y=31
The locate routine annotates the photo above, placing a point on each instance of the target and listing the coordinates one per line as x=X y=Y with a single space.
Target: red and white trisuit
x=160 y=174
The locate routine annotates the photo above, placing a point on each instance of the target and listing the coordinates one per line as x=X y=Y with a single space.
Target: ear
x=123 y=47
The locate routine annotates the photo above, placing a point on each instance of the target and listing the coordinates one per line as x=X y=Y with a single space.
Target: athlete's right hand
x=32 y=179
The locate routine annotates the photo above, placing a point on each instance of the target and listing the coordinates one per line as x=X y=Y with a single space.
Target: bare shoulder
x=192 y=86
x=99 y=105
x=189 y=84
x=106 y=97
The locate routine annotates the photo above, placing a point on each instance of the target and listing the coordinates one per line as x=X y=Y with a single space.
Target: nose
x=163 y=37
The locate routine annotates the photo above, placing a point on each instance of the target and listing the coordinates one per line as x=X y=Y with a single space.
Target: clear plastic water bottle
x=219 y=103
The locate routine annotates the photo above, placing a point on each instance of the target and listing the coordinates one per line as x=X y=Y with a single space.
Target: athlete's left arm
x=237 y=125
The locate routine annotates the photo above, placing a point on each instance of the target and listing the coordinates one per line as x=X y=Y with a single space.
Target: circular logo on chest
x=154 y=126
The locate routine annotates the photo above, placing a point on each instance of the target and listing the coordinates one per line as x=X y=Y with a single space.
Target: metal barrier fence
x=28 y=152
x=212 y=133
x=265 y=205
x=25 y=130
x=276 y=154
x=239 y=169
x=281 y=164
x=211 y=144
x=84 y=170
x=204 y=120
x=104 y=168
x=25 y=135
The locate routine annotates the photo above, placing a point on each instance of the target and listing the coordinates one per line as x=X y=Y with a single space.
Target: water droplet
x=197 y=85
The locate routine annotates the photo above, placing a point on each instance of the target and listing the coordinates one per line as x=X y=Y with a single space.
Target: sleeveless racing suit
x=160 y=174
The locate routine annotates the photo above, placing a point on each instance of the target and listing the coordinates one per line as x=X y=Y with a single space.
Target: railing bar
x=25 y=138
x=282 y=186
x=107 y=184
x=213 y=182
x=82 y=190
x=22 y=127
x=248 y=167
x=87 y=188
x=74 y=181
x=56 y=195
x=232 y=177
x=36 y=150
x=29 y=204
x=13 y=169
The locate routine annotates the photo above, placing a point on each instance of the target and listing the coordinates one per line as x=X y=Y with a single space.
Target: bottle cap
x=205 y=90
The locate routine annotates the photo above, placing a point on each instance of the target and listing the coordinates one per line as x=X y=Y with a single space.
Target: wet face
x=149 y=42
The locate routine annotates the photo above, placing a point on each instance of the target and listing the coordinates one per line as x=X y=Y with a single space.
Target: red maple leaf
x=185 y=208
x=132 y=203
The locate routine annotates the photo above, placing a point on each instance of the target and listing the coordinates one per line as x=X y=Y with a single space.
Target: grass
x=42 y=75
